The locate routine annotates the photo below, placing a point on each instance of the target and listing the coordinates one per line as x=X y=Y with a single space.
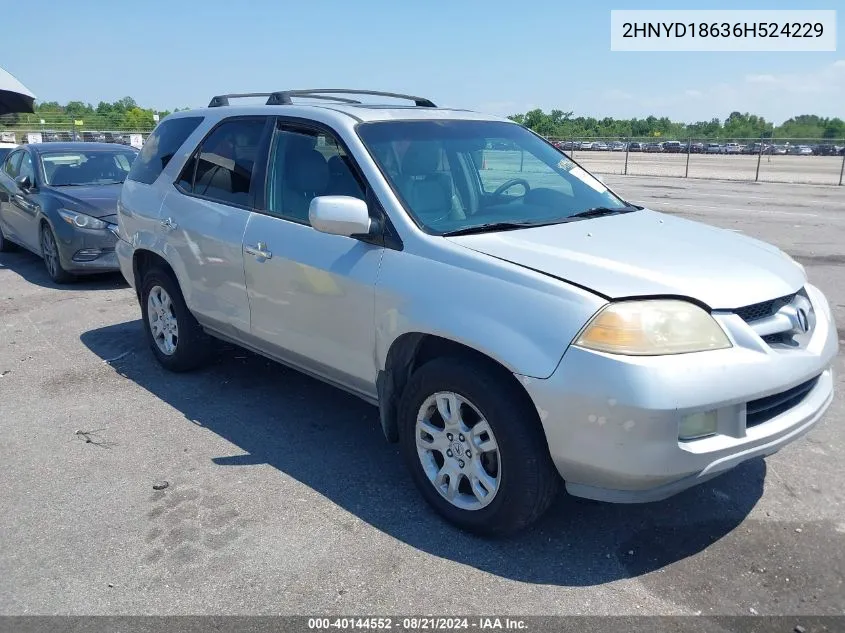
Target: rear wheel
x=175 y=337
x=50 y=254
x=475 y=446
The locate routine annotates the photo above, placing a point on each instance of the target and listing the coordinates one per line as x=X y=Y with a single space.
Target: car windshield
x=458 y=175
x=86 y=167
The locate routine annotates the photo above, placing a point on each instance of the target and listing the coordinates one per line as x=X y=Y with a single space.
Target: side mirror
x=340 y=215
x=23 y=182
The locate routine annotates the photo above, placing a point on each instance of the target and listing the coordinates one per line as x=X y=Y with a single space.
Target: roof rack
x=283 y=97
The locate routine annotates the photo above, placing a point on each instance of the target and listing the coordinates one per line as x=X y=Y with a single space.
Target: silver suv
x=516 y=322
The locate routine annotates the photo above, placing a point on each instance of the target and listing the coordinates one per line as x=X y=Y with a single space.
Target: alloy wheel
x=458 y=451
x=161 y=316
x=49 y=251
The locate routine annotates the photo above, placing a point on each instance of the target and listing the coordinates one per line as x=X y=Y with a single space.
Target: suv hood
x=646 y=253
x=98 y=201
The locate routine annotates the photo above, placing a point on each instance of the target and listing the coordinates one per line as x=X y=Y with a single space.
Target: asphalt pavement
x=282 y=496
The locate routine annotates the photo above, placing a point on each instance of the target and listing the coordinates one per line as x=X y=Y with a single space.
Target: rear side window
x=160 y=147
x=223 y=168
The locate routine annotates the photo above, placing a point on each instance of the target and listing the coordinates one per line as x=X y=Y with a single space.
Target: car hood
x=99 y=201
x=646 y=253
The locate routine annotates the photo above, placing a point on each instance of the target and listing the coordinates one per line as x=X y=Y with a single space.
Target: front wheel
x=175 y=337
x=475 y=446
x=50 y=254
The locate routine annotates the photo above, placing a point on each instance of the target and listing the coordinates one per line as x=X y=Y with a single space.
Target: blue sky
x=495 y=56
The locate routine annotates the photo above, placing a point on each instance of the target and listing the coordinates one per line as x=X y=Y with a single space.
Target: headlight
x=652 y=328
x=82 y=221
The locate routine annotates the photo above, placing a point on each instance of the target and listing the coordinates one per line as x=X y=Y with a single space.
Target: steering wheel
x=501 y=189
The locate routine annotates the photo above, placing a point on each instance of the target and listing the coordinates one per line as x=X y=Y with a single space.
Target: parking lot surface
x=818 y=170
x=284 y=498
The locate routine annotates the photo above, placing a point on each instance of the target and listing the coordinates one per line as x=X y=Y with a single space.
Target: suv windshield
x=453 y=176
x=88 y=167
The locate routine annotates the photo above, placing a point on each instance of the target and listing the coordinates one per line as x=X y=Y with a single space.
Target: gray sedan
x=59 y=200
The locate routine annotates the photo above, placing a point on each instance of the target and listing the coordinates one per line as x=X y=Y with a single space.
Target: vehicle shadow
x=31 y=268
x=333 y=443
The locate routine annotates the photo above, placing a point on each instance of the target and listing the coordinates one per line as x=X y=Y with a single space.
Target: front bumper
x=612 y=421
x=124 y=251
x=84 y=251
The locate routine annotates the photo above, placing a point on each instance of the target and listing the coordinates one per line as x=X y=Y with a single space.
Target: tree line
x=738 y=125
x=126 y=114
x=123 y=114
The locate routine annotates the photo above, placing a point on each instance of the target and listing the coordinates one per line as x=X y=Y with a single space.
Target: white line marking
x=735 y=209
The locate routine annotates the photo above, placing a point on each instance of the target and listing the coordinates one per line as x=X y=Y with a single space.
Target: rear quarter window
x=160 y=147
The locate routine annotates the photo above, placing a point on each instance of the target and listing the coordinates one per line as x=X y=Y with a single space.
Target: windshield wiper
x=496 y=226
x=597 y=212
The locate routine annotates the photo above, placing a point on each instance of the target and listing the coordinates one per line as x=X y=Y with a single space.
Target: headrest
x=421 y=159
x=308 y=171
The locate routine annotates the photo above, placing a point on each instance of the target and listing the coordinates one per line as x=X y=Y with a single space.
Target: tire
x=50 y=255
x=5 y=245
x=521 y=474
x=182 y=345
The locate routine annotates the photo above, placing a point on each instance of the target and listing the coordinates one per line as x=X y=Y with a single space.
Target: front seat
x=64 y=175
x=428 y=192
x=341 y=180
x=306 y=176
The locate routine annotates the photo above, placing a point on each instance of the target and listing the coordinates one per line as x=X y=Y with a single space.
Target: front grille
x=764 y=409
x=764 y=308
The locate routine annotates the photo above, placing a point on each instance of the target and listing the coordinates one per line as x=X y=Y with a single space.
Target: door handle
x=259 y=251
x=168 y=224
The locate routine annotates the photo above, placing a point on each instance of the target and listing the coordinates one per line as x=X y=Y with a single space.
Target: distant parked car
x=713 y=148
x=653 y=147
x=586 y=145
x=673 y=147
x=696 y=148
x=805 y=150
x=753 y=149
x=503 y=145
x=617 y=146
x=600 y=146
x=732 y=148
x=779 y=150
x=825 y=149
x=92 y=136
x=635 y=146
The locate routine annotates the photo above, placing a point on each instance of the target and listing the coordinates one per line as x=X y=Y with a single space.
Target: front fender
x=523 y=319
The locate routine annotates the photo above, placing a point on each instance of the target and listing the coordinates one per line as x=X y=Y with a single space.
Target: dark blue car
x=59 y=200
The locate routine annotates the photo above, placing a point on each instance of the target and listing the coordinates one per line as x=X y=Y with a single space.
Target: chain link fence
x=45 y=134
x=792 y=160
